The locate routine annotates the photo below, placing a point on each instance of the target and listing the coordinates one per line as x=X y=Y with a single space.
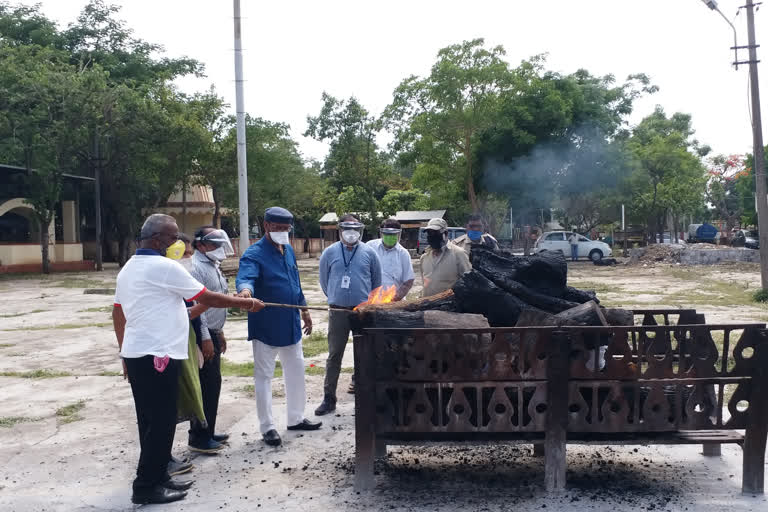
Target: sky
x=295 y=50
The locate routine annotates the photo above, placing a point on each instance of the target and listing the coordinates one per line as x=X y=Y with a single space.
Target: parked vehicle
x=703 y=233
x=633 y=235
x=453 y=233
x=558 y=241
x=746 y=238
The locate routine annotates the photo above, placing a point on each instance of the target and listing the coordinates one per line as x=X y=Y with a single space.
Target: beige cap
x=437 y=224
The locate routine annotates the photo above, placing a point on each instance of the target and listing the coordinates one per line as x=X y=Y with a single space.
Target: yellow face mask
x=176 y=250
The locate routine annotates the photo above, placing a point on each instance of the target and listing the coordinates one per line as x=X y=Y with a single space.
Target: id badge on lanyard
x=345 y=278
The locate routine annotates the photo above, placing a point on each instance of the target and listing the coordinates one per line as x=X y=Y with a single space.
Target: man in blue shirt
x=268 y=271
x=349 y=271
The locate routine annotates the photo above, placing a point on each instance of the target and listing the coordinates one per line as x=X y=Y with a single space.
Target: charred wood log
x=475 y=293
x=546 y=272
x=580 y=296
x=588 y=313
x=526 y=294
x=534 y=318
x=381 y=317
x=617 y=316
x=399 y=319
x=454 y=320
x=443 y=301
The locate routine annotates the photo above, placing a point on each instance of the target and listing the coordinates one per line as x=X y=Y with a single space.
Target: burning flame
x=379 y=296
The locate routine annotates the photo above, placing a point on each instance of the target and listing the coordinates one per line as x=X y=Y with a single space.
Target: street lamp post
x=761 y=188
x=242 y=167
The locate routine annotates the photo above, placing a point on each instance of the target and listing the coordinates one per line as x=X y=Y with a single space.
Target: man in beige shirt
x=442 y=264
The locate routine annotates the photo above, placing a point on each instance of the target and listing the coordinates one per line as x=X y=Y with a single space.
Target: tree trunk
x=184 y=203
x=44 y=241
x=123 y=246
x=216 y=207
x=471 y=194
x=527 y=242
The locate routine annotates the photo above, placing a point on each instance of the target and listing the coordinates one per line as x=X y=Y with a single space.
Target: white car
x=558 y=241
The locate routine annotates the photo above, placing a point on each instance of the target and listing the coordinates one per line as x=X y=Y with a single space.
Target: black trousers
x=210 y=385
x=154 y=394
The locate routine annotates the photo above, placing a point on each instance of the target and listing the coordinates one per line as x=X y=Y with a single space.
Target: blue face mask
x=475 y=236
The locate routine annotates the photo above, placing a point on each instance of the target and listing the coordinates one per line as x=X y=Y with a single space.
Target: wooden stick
x=293 y=306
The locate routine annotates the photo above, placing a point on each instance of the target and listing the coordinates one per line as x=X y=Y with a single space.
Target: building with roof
x=20 y=231
x=198 y=211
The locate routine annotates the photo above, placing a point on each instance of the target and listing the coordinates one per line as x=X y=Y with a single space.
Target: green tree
x=723 y=190
x=670 y=176
x=442 y=114
x=355 y=169
x=44 y=107
x=277 y=174
x=402 y=200
x=560 y=140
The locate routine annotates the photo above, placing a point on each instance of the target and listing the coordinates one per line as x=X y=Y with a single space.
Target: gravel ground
x=71 y=436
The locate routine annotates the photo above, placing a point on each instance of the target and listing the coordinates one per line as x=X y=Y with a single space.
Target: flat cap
x=437 y=224
x=278 y=215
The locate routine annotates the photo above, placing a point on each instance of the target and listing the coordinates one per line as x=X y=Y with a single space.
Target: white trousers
x=292 y=361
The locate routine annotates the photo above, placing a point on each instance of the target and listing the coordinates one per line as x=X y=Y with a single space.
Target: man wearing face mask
x=476 y=235
x=152 y=329
x=349 y=271
x=268 y=270
x=442 y=264
x=212 y=246
x=396 y=266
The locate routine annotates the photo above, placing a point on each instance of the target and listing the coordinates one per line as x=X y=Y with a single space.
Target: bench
x=660 y=384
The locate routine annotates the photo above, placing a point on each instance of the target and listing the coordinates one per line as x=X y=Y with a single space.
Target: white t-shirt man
x=396 y=267
x=151 y=290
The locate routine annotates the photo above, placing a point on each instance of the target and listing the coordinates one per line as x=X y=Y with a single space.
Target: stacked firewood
x=507 y=291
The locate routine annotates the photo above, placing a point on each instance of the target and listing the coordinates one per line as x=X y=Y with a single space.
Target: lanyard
x=344 y=256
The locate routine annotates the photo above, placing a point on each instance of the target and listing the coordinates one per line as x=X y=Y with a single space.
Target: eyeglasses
x=175 y=237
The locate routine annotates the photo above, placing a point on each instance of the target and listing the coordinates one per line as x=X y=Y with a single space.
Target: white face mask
x=350 y=236
x=187 y=263
x=279 y=237
x=217 y=254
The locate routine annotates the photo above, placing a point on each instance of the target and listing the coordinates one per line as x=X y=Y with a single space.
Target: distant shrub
x=760 y=295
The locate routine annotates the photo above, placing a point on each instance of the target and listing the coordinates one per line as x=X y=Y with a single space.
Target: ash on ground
x=495 y=477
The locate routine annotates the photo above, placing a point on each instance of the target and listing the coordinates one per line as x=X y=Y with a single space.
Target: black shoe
x=158 y=494
x=305 y=424
x=179 y=460
x=178 y=485
x=272 y=438
x=328 y=405
x=221 y=438
x=177 y=467
x=207 y=446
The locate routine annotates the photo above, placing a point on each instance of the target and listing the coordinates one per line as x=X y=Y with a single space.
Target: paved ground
x=70 y=430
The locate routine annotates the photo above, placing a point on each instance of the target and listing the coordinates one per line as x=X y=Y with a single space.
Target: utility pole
x=761 y=189
x=242 y=168
x=624 y=231
x=97 y=200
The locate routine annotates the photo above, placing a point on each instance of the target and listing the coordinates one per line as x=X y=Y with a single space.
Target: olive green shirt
x=440 y=271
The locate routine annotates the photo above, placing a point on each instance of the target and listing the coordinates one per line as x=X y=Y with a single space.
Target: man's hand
x=125 y=369
x=256 y=306
x=245 y=293
x=208 y=351
x=307 y=322
x=222 y=343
